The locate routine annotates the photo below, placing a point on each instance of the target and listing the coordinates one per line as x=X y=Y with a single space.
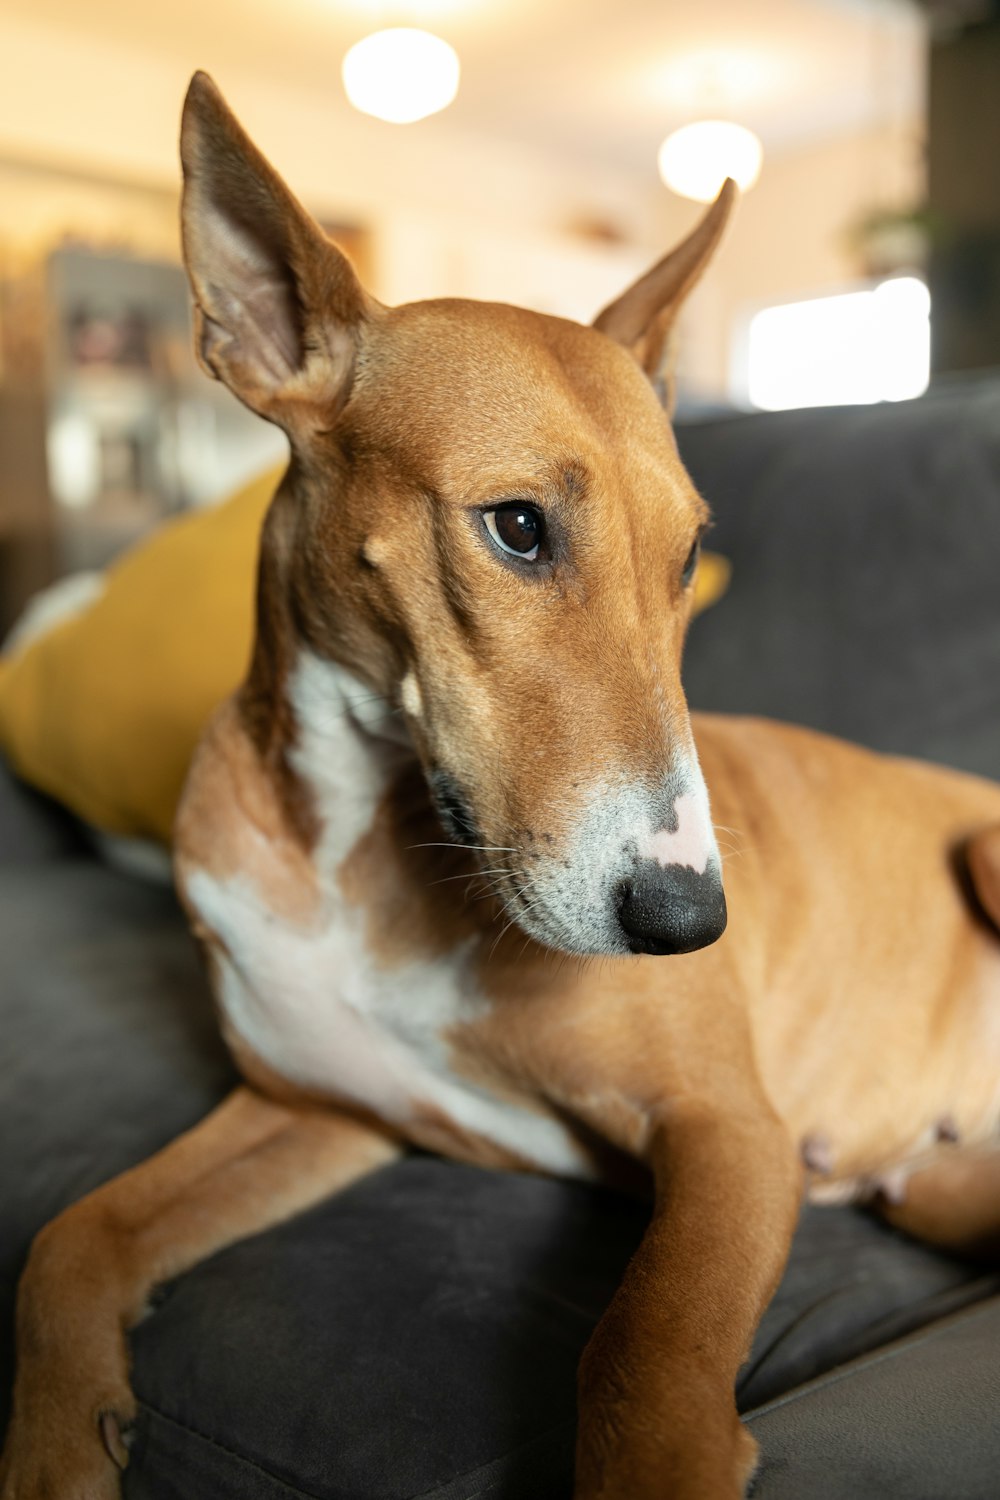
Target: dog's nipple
x=816 y=1150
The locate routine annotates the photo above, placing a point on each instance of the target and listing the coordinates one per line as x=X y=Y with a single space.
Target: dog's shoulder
x=232 y=822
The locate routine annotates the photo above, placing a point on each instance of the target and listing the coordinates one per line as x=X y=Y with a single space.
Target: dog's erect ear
x=643 y=317
x=278 y=307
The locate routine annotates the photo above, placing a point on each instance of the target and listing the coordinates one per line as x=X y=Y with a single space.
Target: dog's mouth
x=453 y=809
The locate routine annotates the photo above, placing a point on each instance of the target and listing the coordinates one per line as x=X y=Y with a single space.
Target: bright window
x=864 y=346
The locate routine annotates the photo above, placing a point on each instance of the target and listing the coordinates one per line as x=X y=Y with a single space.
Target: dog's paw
x=720 y=1470
x=54 y=1452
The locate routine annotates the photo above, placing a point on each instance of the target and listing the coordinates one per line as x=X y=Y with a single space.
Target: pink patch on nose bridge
x=690 y=843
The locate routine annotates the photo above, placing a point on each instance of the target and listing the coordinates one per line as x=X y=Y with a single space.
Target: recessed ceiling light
x=401 y=75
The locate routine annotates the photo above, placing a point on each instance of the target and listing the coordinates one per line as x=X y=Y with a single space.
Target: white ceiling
x=605 y=79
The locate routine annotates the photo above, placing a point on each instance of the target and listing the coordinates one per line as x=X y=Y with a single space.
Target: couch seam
x=972 y=1294
x=440 y=1488
x=540 y=1439
x=868 y=1362
x=213 y=1442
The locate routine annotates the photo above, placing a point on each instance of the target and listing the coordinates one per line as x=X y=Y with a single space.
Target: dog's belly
x=313 y=1006
x=896 y=1086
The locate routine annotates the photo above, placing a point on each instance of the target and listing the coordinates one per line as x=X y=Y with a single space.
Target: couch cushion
x=864 y=598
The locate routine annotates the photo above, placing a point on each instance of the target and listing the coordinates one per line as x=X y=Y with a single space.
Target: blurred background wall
x=538 y=185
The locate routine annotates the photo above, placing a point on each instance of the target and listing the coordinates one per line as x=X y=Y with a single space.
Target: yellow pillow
x=103 y=710
x=711 y=580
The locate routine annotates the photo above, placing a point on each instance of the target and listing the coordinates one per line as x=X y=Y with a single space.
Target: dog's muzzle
x=670 y=908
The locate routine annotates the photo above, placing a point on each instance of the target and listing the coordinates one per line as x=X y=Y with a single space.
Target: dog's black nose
x=671 y=908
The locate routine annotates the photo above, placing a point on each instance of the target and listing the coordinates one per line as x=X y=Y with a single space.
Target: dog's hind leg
x=983 y=856
x=953 y=1203
x=250 y=1164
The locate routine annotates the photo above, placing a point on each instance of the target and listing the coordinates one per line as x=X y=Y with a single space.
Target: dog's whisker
x=518 y=894
x=505 y=929
x=476 y=848
x=468 y=875
x=524 y=945
x=497 y=882
x=526 y=906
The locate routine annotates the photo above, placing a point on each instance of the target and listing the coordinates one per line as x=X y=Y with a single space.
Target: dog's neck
x=379 y=844
x=348 y=746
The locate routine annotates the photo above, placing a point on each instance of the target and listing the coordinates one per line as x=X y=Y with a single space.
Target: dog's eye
x=691 y=564
x=517 y=529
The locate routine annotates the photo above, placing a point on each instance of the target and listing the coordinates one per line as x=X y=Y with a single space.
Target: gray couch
x=417 y=1336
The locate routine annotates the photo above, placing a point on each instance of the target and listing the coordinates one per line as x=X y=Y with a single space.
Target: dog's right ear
x=278 y=308
x=643 y=317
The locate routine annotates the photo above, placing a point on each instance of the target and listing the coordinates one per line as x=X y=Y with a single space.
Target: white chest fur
x=310 y=1000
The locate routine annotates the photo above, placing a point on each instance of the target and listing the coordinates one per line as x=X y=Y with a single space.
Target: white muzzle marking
x=691 y=843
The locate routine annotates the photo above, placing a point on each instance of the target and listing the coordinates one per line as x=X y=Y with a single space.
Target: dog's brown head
x=487 y=521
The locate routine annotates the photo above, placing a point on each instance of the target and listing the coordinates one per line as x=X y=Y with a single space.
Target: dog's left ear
x=642 y=317
x=278 y=309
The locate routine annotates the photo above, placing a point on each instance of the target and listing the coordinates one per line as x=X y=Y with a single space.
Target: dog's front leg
x=250 y=1164
x=657 y=1410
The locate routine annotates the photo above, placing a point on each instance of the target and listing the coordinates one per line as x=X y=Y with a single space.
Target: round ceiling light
x=695 y=160
x=401 y=74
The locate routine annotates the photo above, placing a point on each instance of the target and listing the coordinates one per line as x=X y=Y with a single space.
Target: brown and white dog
x=475 y=581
